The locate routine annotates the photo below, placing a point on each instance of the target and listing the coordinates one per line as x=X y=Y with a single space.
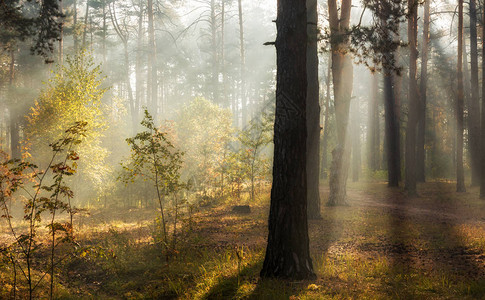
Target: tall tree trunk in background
x=225 y=100
x=139 y=67
x=342 y=75
x=421 y=141
x=392 y=135
x=288 y=251
x=460 y=176
x=313 y=113
x=14 y=122
x=86 y=15
x=214 y=50
x=152 y=64
x=356 y=151
x=474 y=105
x=482 y=129
x=104 y=32
x=244 y=108
x=74 y=24
x=373 y=126
x=323 y=169
x=410 y=178
x=61 y=38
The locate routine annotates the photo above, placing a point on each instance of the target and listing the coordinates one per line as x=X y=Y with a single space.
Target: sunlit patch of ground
x=384 y=245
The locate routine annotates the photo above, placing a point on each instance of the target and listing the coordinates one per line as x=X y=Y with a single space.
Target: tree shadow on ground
x=426 y=245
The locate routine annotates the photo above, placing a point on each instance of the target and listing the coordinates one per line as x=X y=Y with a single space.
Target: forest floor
x=382 y=245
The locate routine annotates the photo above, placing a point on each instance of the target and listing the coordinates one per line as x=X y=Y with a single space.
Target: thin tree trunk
x=373 y=126
x=313 y=113
x=74 y=24
x=152 y=64
x=288 y=251
x=14 y=122
x=474 y=105
x=460 y=176
x=420 y=150
x=356 y=155
x=326 y=131
x=244 y=108
x=410 y=178
x=482 y=131
x=86 y=15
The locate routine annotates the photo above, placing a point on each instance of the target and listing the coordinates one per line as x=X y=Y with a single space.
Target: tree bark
x=373 y=126
x=152 y=64
x=482 y=130
x=420 y=150
x=86 y=15
x=410 y=178
x=326 y=131
x=474 y=105
x=14 y=122
x=313 y=112
x=460 y=175
x=244 y=108
x=342 y=75
x=287 y=252
x=356 y=151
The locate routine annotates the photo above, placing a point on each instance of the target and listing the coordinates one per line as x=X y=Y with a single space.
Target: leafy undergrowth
x=384 y=245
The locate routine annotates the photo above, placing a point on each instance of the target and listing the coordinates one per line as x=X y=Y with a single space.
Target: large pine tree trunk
x=420 y=150
x=413 y=111
x=287 y=252
x=313 y=113
x=392 y=135
x=474 y=106
x=342 y=75
x=460 y=175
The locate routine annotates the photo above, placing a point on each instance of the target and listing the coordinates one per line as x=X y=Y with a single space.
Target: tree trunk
x=326 y=131
x=86 y=15
x=139 y=69
x=287 y=252
x=460 y=176
x=313 y=113
x=14 y=122
x=373 y=127
x=482 y=130
x=420 y=150
x=152 y=64
x=413 y=111
x=74 y=25
x=356 y=155
x=342 y=75
x=474 y=106
x=244 y=108
x=392 y=135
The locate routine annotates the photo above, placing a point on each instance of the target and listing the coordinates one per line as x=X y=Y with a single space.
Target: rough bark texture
x=420 y=150
x=460 y=176
x=474 y=106
x=287 y=252
x=313 y=113
x=342 y=75
x=410 y=178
